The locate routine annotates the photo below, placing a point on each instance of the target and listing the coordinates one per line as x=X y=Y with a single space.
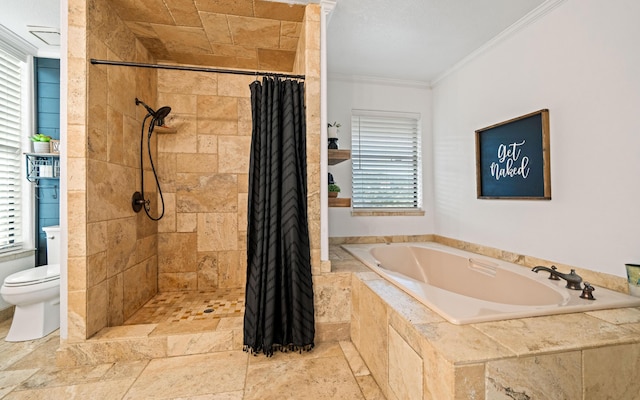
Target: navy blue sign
x=512 y=158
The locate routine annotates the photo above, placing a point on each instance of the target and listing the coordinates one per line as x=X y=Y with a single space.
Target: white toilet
x=36 y=294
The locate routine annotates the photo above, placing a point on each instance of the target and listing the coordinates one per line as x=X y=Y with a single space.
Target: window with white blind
x=10 y=151
x=385 y=153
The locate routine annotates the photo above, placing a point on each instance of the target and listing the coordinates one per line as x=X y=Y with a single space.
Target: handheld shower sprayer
x=158 y=116
x=138 y=200
x=149 y=109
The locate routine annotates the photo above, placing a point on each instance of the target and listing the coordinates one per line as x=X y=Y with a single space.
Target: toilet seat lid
x=44 y=273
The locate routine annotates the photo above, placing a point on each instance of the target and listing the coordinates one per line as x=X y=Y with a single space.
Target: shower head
x=158 y=116
x=162 y=113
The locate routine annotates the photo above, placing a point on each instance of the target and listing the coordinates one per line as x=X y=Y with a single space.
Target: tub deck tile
x=556 y=333
x=478 y=347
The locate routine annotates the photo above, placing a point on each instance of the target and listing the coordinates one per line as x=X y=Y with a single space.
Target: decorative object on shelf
x=55 y=146
x=333 y=190
x=332 y=134
x=41 y=143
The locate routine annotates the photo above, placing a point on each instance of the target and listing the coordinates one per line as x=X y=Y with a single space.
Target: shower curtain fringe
x=196 y=69
x=278 y=347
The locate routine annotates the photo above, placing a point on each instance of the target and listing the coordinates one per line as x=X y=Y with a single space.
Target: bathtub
x=465 y=288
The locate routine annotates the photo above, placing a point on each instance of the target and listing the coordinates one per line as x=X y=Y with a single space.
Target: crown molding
x=378 y=80
x=537 y=13
x=15 y=45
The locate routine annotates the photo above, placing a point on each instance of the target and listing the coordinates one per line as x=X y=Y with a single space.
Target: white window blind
x=10 y=151
x=385 y=152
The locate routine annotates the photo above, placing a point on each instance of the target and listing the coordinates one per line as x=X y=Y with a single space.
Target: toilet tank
x=53 y=243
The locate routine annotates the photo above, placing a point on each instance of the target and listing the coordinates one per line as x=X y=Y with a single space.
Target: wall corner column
x=327 y=7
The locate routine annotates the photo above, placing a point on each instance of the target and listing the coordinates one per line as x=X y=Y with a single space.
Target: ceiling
x=416 y=40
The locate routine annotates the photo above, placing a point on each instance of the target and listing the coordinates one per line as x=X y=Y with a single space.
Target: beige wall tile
x=217 y=231
x=184 y=12
x=206 y=193
x=197 y=163
x=187 y=222
x=207 y=265
x=232 y=268
x=217 y=108
x=145 y=245
x=97 y=303
x=76 y=174
x=234 y=154
x=121 y=242
x=208 y=144
x=554 y=376
x=96 y=268
x=405 y=369
x=77 y=225
x=470 y=382
x=179 y=103
x=96 y=237
x=439 y=376
x=139 y=285
x=190 y=83
x=332 y=297
x=115 y=138
x=177 y=252
x=184 y=141
x=216 y=27
x=115 y=286
x=235 y=86
x=76 y=89
x=76 y=146
x=176 y=281
x=612 y=372
x=208 y=126
x=168 y=221
x=182 y=38
x=254 y=32
x=373 y=336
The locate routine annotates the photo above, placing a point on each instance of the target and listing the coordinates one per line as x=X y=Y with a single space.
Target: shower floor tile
x=190 y=306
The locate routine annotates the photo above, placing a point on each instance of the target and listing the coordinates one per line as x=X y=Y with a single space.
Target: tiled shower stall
x=118 y=260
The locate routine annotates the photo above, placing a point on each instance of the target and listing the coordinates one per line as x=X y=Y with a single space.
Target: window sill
x=16 y=254
x=385 y=213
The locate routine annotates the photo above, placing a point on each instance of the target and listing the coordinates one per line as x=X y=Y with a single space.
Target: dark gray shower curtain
x=279 y=292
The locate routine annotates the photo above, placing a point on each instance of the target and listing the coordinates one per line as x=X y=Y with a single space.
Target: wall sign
x=512 y=159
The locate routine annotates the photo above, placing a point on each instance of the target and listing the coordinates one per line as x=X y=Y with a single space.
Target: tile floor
x=190 y=306
x=330 y=371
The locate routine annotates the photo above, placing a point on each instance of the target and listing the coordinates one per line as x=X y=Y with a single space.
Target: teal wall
x=47 y=85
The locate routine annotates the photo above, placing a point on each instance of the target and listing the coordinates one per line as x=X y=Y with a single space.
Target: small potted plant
x=332 y=134
x=41 y=143
x=333 y=190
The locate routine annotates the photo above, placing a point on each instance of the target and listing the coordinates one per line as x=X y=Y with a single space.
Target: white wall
x=381 y=95
x=582 y=62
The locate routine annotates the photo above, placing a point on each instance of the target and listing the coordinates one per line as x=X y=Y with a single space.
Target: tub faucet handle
x=587 y=292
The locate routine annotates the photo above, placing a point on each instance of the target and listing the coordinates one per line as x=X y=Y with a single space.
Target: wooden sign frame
x=513 y=159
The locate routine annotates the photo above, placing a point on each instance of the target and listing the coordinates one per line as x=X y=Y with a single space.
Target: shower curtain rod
x=197 y=69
